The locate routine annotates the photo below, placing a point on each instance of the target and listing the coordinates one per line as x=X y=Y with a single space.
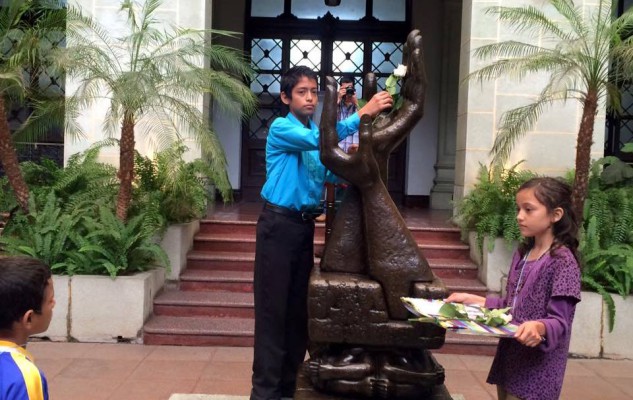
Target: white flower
x=401 y=71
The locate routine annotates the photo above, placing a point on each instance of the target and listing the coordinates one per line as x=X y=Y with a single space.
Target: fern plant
x=178 y=188
x=120 y=248
x=606 y=239
x=45 y=233
x=490 y=209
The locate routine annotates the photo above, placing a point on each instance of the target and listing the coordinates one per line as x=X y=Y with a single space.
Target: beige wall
x=184 y=13
x=548 y=149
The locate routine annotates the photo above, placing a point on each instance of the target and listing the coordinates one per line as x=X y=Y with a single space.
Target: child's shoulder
x=563 y=252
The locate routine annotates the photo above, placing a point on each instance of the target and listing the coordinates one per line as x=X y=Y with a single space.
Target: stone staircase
x=212 y=304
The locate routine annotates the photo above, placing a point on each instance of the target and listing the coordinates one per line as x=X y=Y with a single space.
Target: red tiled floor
x=78 y=371
x=135 y=389
x=234 y=388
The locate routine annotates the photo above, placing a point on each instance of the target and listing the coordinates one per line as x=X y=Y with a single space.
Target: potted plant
x=606 y=252
x=178 y=189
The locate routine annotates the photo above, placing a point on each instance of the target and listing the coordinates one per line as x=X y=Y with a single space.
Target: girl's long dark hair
x=554 y=193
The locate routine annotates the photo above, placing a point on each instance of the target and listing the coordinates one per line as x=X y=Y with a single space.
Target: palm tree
x=152 y=80
x=27 y=30
x=589 y=53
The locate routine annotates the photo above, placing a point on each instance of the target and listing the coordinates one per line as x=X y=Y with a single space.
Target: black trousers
x=284 y=257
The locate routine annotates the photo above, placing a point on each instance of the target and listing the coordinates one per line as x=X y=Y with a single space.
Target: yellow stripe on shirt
x=32 y=377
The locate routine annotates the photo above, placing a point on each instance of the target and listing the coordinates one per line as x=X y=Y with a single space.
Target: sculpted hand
x=531 y=333
x=359 y=167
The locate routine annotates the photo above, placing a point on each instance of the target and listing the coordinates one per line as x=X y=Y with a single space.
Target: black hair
x=23 y=281
x=290 y=79
x=346 y=79
x=554 y=193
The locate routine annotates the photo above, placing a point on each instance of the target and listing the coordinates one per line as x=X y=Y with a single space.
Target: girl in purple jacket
x=543 y=289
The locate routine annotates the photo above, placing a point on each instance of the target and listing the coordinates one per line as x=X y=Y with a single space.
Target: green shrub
x=88 y=240
x=45 y=233
x=606 y=239
x=112 y=247
x=490 y=208
x=178 y=189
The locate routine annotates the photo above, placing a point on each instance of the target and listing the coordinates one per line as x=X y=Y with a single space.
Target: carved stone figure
x=361 y=343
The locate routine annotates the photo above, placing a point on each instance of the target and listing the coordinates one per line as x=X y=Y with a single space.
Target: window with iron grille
x=620 y=124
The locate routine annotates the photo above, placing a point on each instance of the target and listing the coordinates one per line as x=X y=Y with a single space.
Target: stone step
x=217 y=331
x=180 y=303
x=242 y=281
x=198 y=331
x=244 y=261
x=219 y=280
x=240 y=243
x=217 y=226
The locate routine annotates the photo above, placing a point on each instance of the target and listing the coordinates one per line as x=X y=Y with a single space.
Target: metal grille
x=385 y=57
x=306 y=52
x=620 y=125
x=266 y=57
x=347 y=58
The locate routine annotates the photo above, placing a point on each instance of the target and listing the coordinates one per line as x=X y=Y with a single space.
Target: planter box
x=493 y=266
x=101 y=309
x=586 y=332
x=58 y=329
x=177 y=242
x=617 y=344
x=590 y=333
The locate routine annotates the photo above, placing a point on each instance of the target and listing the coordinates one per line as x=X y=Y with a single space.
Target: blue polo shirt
x=19 y=377
x=294 y=173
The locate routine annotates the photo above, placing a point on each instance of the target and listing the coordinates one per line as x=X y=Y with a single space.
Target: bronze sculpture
x=362 y=346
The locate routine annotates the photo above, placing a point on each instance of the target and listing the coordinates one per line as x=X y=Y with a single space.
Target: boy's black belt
x=302 y=215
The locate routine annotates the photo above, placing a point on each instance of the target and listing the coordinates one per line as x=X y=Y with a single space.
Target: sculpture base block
x=305 y=391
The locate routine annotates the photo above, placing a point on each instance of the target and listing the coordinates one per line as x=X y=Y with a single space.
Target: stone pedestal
x=305 y=391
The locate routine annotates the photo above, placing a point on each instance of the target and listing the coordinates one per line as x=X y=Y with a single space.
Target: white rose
x=401 y=71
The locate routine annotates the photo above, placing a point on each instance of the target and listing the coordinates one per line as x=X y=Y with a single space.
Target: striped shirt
x=20 y=379
x=345 y=111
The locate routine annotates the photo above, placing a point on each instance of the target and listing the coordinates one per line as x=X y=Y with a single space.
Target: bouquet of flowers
x=462 y=318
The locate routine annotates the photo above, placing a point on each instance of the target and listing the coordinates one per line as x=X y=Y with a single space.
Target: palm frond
x=573 y=16
x=517 y=122
x=518 y=68
x=528 y=19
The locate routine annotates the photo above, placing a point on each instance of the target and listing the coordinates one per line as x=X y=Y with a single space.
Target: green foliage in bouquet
x=490 y=208
x=494 y=318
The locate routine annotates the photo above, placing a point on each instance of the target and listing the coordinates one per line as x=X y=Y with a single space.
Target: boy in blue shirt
x=26 y=308
x=284 y=254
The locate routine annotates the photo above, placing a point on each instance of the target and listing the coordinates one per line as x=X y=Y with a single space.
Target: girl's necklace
x=524 y=261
